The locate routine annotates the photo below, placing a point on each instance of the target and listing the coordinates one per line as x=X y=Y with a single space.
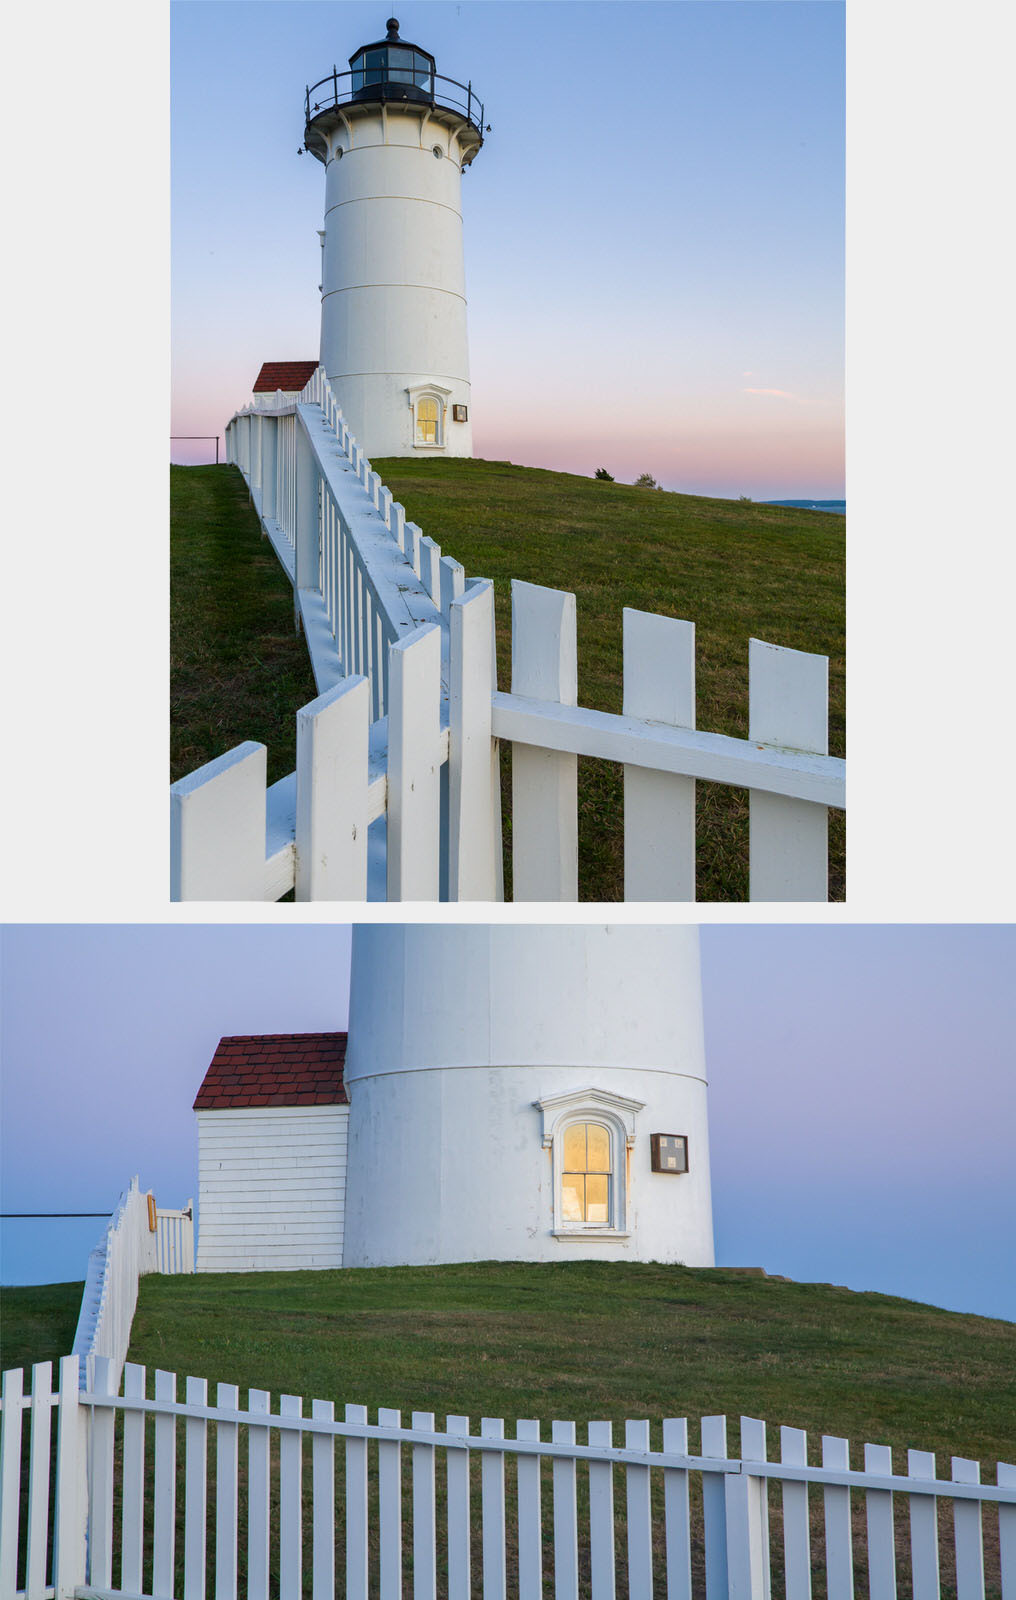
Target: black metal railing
x=422 y=88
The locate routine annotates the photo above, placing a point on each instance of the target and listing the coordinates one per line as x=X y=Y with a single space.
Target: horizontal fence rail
x=396 y=794
x=346 y=1505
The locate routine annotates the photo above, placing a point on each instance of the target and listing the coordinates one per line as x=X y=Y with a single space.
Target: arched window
x=427 y=420
x=590 y=1134
x=586 y=1170
x=429 y=402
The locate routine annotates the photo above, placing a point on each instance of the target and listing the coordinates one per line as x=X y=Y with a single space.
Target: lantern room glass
x=395 y=63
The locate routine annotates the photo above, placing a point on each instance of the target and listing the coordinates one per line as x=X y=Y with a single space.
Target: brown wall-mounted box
x=670 y=1152
x=460 y=413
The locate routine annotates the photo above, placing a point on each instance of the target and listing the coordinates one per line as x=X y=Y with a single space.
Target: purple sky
x=861 y=1087
x=653 y=230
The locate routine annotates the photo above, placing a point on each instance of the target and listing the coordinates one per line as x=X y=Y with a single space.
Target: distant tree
x=744 y=500
x=645 y=480
x=604 y=475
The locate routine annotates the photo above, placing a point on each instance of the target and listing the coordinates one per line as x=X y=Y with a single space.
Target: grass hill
x=736 y=569
x=38 y=1323
x=587 y=1340
x=590 y=1339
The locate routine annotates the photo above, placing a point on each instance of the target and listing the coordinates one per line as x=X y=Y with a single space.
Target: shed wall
x=272 y=1188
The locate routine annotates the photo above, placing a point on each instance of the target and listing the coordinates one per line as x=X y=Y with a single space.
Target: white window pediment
x=558 y=1107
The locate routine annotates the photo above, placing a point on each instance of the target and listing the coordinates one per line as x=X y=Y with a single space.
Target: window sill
x=419 y=446
x=590 y=1233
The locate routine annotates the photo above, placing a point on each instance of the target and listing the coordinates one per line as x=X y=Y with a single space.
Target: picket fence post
x=789 y=707
x=544 y=782
x=457 y=1488
x=474 y=813
x=332 y=735
x=714 y=1510
x=414 y=765
x=70 y=1557
x=659 y=807
x=217 y=828
x=748 y=1520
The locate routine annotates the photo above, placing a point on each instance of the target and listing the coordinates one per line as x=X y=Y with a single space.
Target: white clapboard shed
x=272 y=1118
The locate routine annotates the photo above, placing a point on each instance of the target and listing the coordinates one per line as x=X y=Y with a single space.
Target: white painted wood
x=878 y=1458
x=195 y=1493
x=530 y=1516
x=38 y=1477
x=747 y=1515
x=272 y=1188
x=923 y=1529
x=714 y=1511
x=473 y=777
x=132 y=1519
x=217 y=828
x=1007 y=1532
x=967 y=1531
x=227 y=1398
x=258 y=1496
x=838 y=1538
x=356 y=1510
x=424 y=1513
x=457 y=1486
x=389 y=1478
x=398 y=524
x=430 y=568
x=639 y=1513
x=492 y=1522
x=659 y=808
x=323 y=1487
x=308 y=509
x=601 y=1517
x=452 y=583
x=566 y=1529
x=544 y=782
x=10 y=1478
x=290 y=1499
x=100 y=1507
x=712 y=756
x=414 y=764
x=331 y=794
x=70 y=1557
x=796 y=1535
x=414 y=535
x=788 y=707
x=677 y=1511
x=164 y=1491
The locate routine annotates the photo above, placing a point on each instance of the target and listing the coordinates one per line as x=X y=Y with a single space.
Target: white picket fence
x=129 y=1248
x=326 y=1512
x=396 y=793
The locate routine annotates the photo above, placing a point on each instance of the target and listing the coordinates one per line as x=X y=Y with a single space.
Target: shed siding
x=272 y=1187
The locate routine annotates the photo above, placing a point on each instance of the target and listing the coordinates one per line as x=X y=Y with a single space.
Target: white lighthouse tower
x=394 y=137
x=526 y=1093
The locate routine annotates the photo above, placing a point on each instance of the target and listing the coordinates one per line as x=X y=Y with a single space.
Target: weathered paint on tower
x=506 y=1084
x=394 y=138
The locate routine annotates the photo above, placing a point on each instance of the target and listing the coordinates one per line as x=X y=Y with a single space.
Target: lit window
x=427 y=420
x=590 y=1134
x=585 y=1175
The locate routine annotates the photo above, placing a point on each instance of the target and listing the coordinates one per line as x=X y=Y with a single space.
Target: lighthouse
x=394 y=137
x=526 y=1093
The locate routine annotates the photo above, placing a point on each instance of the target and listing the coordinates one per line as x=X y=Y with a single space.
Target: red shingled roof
x=285 y=375
x=275 y=1069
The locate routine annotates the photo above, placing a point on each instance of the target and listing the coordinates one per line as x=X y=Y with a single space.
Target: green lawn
x=736 y=569
x=38 y=1323
x=589 y=1339
x=239 y=667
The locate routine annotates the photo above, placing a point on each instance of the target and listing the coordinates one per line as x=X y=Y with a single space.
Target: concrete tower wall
x=473 y=1049
x=393 y=308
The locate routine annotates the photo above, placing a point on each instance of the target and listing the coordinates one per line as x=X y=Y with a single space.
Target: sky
x=862 y=1087
x=653 y=228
